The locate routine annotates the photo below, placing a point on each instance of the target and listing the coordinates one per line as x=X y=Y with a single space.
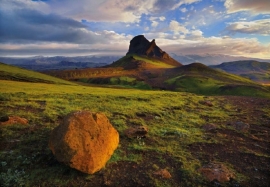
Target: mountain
x=145 y=54
x=40 y=63
x=211 y=59
x=146 y=66
x=254 y=70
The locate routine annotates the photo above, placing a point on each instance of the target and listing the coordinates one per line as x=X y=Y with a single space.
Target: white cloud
x=196 y=33
x=162 y=18
x=177 y=28
x=261 y=27
x=249 y=47
x=105 y=10
x=154 y=24
x=254 y=6
x=183 y=10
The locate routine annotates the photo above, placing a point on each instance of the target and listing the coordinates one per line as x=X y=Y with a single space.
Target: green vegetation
x=166 y=114
x=174 y=119
x=121 y=82
x=199 y=79
x=256 y=71
x=126 y=61
x=8 y=72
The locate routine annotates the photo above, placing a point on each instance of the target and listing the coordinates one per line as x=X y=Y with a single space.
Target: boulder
x=11 y=120
x=84 y=141
x=216 y=171
x=136 y=132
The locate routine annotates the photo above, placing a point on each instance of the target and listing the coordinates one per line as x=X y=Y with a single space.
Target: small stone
x=138 y=131
x=209 y=127
x=240 y=126
x=216 y=171
x=12 y=120
x=206 y=103
x=163 y=173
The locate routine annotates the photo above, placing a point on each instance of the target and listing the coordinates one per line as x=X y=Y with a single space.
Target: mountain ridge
x=251 y=69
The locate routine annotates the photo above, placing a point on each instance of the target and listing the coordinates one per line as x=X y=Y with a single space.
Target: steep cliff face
x=141 y=46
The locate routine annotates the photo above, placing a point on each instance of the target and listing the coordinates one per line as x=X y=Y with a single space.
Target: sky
x=105 y=27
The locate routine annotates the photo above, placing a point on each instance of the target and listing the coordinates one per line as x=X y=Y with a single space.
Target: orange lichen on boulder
x=84 y=141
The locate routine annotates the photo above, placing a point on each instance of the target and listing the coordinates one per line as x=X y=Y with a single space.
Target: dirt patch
x=246 y=152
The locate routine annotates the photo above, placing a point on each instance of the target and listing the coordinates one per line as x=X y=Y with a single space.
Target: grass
x=217 y=83
x=44 y=105
x=9 y=72
x=153 y=61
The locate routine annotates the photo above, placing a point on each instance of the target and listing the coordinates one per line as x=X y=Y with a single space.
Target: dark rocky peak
x=141 y=46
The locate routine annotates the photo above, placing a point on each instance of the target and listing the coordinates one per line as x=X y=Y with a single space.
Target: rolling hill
x=146 y=66
x=254 y=70
x=9 y=72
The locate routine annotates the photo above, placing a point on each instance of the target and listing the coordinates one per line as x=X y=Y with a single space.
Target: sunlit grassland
x=174 y=121
x=10 y=72
x=153 y=61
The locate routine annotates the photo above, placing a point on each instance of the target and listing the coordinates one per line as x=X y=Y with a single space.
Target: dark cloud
x=27 y=25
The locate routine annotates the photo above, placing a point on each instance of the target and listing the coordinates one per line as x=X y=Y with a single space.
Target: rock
x=240 y=126
x=216 y=171
x=163 y=173
x=13 y=120
x=209 y=127
x=141 y=46
x=206 y=103
x=84 y=141
x=137 y=131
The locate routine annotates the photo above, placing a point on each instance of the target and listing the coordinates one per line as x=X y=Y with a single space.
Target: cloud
x=102 y=10
x=254 y=6
x=261 y=27
x=177 y=28
x=172 y=4
x=183 y=10
x=249 y=47
x=154 y=24
x=24 y=26
x=162 y=18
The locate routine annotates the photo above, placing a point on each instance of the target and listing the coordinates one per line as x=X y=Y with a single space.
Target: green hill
x=135 y=61
x=254 y=70
x=9 y=72
x=200 y=79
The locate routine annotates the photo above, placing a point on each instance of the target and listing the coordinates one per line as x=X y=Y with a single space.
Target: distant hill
x=40 y=63
x=254 y=70
x=10 y=72
x=211 y=59
x=146 y=66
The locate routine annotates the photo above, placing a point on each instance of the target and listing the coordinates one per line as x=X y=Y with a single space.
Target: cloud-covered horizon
x=84 y=27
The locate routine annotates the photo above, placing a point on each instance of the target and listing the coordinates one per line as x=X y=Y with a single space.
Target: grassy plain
x=176 y=140
x=174 y=121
